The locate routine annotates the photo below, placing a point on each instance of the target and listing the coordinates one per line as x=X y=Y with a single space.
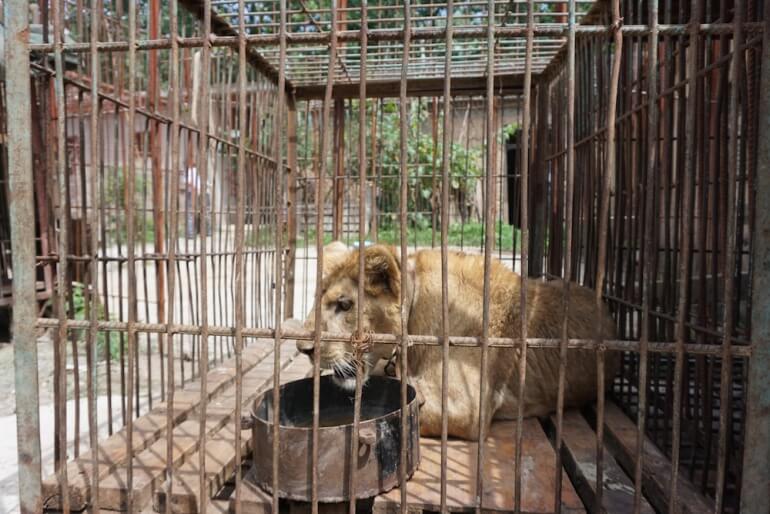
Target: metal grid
x=601 y=226
x=308 y=29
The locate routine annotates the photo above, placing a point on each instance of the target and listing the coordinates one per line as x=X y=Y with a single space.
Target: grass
x=468 y=235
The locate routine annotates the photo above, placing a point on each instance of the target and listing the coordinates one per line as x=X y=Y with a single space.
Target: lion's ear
x=334 y=254
x=382 y=270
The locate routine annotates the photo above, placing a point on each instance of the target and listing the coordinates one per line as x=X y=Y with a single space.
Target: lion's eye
x=344 y=304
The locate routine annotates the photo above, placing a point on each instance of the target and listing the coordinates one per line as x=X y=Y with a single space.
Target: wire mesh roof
x=309 y=23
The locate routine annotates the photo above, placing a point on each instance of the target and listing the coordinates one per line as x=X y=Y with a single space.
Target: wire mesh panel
x=185 y=164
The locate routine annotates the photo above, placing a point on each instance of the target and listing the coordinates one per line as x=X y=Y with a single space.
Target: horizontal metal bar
x=506 y=84
x=306 y=335
x=153 y=115
x=418 y=33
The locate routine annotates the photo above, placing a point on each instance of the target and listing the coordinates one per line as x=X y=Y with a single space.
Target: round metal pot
x=379 y=449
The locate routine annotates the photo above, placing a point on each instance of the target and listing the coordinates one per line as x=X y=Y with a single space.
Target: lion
x=382 y=314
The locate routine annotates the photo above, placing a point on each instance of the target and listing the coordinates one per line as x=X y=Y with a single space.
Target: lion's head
x=339 y=307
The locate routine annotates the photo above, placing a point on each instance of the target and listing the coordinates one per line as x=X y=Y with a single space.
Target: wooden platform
x=423 y=490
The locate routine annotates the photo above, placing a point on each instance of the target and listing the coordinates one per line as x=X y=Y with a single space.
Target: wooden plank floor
x=537 y=479
x=423 y=489
x=579 y=453
x=220 y=448
x=147 y=429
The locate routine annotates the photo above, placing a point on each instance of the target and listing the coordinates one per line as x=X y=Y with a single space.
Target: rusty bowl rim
x=257 y=401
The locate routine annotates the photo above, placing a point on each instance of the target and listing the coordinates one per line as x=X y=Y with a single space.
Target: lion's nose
x=305 y=347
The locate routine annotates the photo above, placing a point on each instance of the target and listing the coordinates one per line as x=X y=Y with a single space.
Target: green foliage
x=310 y=240
x=509 y=130
x=423 y=158
x=469 y=235
x=115 y=213
x=107 y=343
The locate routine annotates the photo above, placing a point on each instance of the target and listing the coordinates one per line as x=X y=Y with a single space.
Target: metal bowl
x=379 y=451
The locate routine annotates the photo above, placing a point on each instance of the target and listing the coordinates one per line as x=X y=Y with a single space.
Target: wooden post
x=339 y=168
x=291 y=226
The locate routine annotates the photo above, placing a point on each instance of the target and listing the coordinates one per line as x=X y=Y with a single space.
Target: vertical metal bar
x=21 y=210
x=130 y=188
x=756 y=461
x=446 y=155
x=240 y=186
x=434 y=178
x=159 y=222
x=278 y=201
x=601 y=259
x=172 y=247
x=684 y=273
x=489 y=232
x=375 y=183
x=63 y=268
x=524 y=205
x=93 y=221
x=404 y=174
x=725 y=383
x=291 y=223
x=362 y=165
x=570 y=121
x=319 y=205
x=203 y=171
x=338 y=210
x=650 y=246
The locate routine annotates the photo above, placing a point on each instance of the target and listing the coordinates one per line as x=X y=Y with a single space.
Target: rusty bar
x=240 y=311
x=319 y=205
x=601 y=259
x=524 y=262
x=60 y=428
x=489 y=231
x=203 y=171
x=684 y=275
x=404 y=175
x=362 y=165
x=130 y=193
x=570 y=169
x=159 y=215
x=464 y=341
x=292 y=173
x=418 y=33
x=756 y=458
x=279 y=228
x=339 y=169
x=21 y=210
x=433 y=165
x=93 y=221
x=733 y=170
x=117 y=101
x=446 y=142
x=222 y=28
x=649 y=245
x=376 y=107
x=174 y=87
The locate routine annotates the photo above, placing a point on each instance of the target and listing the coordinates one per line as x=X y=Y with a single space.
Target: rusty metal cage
x=174 y=170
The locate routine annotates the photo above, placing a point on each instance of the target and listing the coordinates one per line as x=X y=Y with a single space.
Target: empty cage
x=174 y=172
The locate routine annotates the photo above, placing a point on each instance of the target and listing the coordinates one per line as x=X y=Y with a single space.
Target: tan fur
x=465 y=276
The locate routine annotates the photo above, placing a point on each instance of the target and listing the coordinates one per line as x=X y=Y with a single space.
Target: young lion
x=382 y=306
